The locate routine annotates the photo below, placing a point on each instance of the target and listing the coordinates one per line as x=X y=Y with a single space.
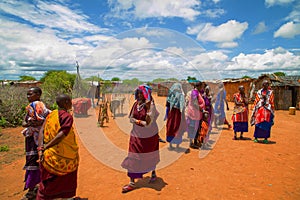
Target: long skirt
x=261 y=133
x=240 y=126
x=263 y=129
x=52 y=186
x=143 y=156
x=193 y=127
x=176 y=126
x=32 y=175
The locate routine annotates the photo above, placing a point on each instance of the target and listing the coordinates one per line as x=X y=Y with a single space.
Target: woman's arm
x=58 y=138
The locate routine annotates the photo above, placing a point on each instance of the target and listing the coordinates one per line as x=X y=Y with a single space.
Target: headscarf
x=194 y=94
x=146 y=90
x=194 y=97
x=176 y=97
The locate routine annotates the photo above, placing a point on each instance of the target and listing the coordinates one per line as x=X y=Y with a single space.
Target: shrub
x=12 y=107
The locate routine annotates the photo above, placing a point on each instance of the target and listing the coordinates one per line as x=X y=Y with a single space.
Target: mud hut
x=232 y=85
x=286 y=90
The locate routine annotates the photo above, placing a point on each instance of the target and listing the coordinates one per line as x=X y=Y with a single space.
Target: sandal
x=153 y=179
x=30 y=195
x=127 y=188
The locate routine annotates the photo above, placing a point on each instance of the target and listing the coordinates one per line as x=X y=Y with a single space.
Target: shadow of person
x=244 y=138
x=157 y=185
x=78 y=198
x=269 y=142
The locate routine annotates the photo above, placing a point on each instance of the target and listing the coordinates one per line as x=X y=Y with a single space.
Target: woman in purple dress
x=143 y=152
x=207 y=97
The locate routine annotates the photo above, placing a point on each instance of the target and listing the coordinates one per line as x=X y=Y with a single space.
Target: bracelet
x=41 y=148
x=138 y=122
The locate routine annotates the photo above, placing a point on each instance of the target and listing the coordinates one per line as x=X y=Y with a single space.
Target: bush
x=13 y=102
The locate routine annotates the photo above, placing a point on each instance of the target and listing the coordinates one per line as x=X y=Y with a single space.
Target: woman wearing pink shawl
x=193 y=112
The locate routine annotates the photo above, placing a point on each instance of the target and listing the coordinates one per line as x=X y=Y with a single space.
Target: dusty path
x=232 y=170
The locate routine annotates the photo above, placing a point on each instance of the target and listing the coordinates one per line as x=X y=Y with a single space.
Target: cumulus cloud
x=260 y=28
x=22 y=46
x=288 y=30
x=225 y=34
x=272 y=60
x=154 y=8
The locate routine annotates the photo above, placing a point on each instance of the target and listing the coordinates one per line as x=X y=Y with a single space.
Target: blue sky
x=150 y=39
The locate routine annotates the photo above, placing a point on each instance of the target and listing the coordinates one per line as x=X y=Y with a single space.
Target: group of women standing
x=262 y=116
x=192 y=113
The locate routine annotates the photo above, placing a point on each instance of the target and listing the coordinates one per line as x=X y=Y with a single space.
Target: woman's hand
x=132 y=120
x=41 y=157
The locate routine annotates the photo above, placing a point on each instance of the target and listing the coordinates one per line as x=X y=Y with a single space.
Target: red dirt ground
x=232 y=170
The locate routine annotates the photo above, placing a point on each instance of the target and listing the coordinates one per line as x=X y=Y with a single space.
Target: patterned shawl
x=63 y=157
x=176 y=97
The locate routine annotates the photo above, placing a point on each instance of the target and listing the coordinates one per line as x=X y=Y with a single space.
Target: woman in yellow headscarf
x=58 y=153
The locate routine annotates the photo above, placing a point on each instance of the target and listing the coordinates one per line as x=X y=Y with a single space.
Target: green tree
x=27 y=78
x=115 y=79
x=133 y=82
x=244 y=77
x=57 y=82
x=190 y=78
x=158 y=80
x=279 y=73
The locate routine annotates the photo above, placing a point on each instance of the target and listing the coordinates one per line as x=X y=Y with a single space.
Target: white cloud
x=214 y=13
x=27 y=49
x=288 y=30
x=225 y=33
x=295 y=14
x=277 y=2
x=155 y=8
x=217 y=55
x=272 y=60
x=260 y=28
x=227 y=44
x=49 y=14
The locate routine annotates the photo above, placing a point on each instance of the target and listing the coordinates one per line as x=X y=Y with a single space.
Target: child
x=36 y=112
x=204 y=136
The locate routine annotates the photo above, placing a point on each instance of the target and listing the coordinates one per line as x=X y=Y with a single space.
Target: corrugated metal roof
x=282 y=80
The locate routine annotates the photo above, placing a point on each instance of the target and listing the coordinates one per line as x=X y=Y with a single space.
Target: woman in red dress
x=240 y=113
x=263 y=113
x=143 y=152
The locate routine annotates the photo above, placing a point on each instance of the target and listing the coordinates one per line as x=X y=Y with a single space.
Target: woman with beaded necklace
x=143 y=152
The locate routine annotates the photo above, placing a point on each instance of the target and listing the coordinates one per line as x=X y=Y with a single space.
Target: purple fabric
x=194 y=94
x=192 y=127
x=32 y=178
x=240 y=126
x=261 y=133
